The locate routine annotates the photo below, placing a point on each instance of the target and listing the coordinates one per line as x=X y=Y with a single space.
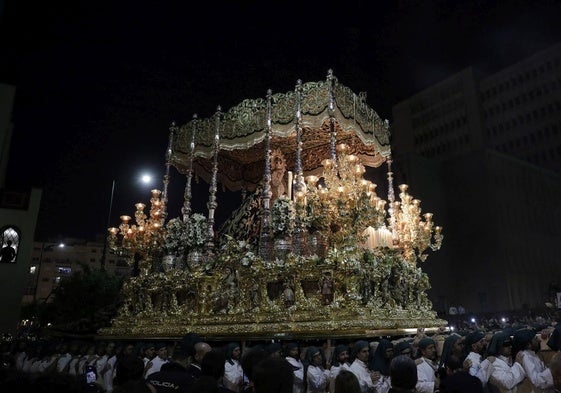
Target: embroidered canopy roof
x=327 y=108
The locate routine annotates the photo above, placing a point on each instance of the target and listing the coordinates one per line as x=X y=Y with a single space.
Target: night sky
x=98 y=83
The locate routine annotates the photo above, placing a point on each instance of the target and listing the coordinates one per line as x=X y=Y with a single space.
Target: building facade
x=484 y=151
x=18 y=218
x=52 y=262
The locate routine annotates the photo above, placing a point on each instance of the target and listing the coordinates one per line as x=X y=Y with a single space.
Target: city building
x=52 y=262
x=18 y=218
x=484 y=151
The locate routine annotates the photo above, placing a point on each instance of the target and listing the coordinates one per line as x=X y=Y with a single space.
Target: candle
x=289 y=184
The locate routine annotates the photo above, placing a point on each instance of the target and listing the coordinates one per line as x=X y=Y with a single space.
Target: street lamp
x=145 y=179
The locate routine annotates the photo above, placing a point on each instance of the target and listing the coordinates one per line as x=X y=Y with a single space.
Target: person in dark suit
x=173 y=376
x=201 y=348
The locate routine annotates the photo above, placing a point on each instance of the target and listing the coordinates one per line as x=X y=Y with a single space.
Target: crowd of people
x=505 y=358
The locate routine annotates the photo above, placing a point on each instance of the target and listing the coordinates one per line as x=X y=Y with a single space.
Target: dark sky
x=98 y=83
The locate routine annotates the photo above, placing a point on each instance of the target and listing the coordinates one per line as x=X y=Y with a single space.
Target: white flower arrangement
x=197 y=231
x=175 y=236
x=283 y=214
x=181 y=237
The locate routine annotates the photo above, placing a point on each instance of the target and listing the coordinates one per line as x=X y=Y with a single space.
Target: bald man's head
x=201 y=348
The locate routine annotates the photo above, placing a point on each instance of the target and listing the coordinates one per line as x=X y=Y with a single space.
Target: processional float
x=312 y=252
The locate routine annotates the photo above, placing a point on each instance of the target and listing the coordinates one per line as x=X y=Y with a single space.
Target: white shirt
x=536 y=371
x=100 y=366
x=28 y=364
x=333 y=372
x=484 y=372
x=384 y=384
x=156 y=365
x=110 y=374
x=72 y=367
x=46 y=363
x=233 y=375
x=63 y=362
x=36 y=366
x=360 y=369
x=298 y=386
x=475 y=363
x=318 y=379
x=426 y=377
x=87 y=360
x=504 y=376
x=20 y=359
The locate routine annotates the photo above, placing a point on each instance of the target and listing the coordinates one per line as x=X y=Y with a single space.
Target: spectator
x=403 y=374
x=128 y=376
x=346 y=382
x=457 y=379
x=249 y=359
x=212 y=365
x=174 y=376
x=201 y=349
x=273 y=375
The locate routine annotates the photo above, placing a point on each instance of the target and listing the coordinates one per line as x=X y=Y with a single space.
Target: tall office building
x=484 y=151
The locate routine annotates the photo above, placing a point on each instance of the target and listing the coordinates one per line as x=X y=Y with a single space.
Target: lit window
x=9 y=244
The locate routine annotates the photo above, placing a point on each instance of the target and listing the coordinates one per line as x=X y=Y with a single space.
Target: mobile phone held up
x=91 y=379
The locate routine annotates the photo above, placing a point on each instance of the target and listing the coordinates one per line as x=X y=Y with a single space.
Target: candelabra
x=343 y=207
x=140 y=241
x=412 y=231
x=344 y=202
